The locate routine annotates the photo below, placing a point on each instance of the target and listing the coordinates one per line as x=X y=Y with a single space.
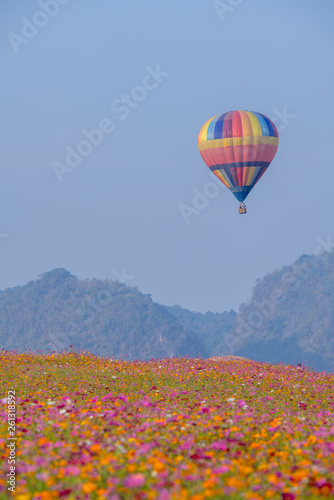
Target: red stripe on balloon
x=236 y=124
x=227 y=126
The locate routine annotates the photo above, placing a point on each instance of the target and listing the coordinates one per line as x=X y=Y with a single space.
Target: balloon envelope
x=238 y=147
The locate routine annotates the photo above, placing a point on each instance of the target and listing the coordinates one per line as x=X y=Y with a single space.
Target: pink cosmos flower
x=135 y=481
x=220 y=470
x=42 y=476
x=219 y=445
x=72 y=470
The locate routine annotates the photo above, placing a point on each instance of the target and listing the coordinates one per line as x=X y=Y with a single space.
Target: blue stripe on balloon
x=211 y=129
x=263 y=124
x=258 y=174
x=271 y=132
x=241 y=164
x=241 y=195
x=227 y=174
x=218 y=134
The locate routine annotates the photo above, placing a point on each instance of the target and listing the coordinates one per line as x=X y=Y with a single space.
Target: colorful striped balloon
x=238 y=147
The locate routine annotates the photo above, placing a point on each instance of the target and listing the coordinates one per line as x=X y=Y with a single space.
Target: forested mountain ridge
x=104 y=317
x=211 y=328
x=289 y=318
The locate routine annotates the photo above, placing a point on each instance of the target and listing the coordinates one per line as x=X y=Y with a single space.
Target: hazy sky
x=174 y=65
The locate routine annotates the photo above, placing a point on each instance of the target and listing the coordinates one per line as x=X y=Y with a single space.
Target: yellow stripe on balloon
x=247 y=129
x=237 y=141
x=257 y=131
x=251 y=172
x=204 y=130
x=221 y=177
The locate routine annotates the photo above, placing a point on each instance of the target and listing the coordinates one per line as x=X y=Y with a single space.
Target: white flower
x=230 y=400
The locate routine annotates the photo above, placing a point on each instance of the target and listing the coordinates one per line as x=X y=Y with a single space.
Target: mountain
x=289 y=318
x=105 y=317
x=211 y=328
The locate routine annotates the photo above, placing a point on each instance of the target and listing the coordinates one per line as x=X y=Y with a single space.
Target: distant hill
x=290 y=316
x=104 y=317
x=290 y=319
x=211 y=328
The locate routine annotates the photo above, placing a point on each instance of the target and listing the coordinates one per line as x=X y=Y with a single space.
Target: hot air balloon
x=238 y=147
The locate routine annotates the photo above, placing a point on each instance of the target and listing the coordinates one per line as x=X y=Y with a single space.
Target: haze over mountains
x=290 y=318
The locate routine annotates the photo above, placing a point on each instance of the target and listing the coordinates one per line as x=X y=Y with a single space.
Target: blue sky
x=118 y=212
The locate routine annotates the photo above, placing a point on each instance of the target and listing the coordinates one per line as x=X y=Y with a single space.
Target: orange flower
x=209 y=483
x=245 y=469
x=234 y=482
x=269 y=494
x=42 y=441
x=48 y=495
x=299 y=475
x=255 y=445
x=88 y=487
x=95 y=448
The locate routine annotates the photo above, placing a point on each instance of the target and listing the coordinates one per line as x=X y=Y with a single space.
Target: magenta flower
x=220 y=470
x=72 y=470
x=64 y=493
x=135 y=481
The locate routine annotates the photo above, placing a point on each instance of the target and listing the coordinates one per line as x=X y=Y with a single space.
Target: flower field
x=179 y=428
